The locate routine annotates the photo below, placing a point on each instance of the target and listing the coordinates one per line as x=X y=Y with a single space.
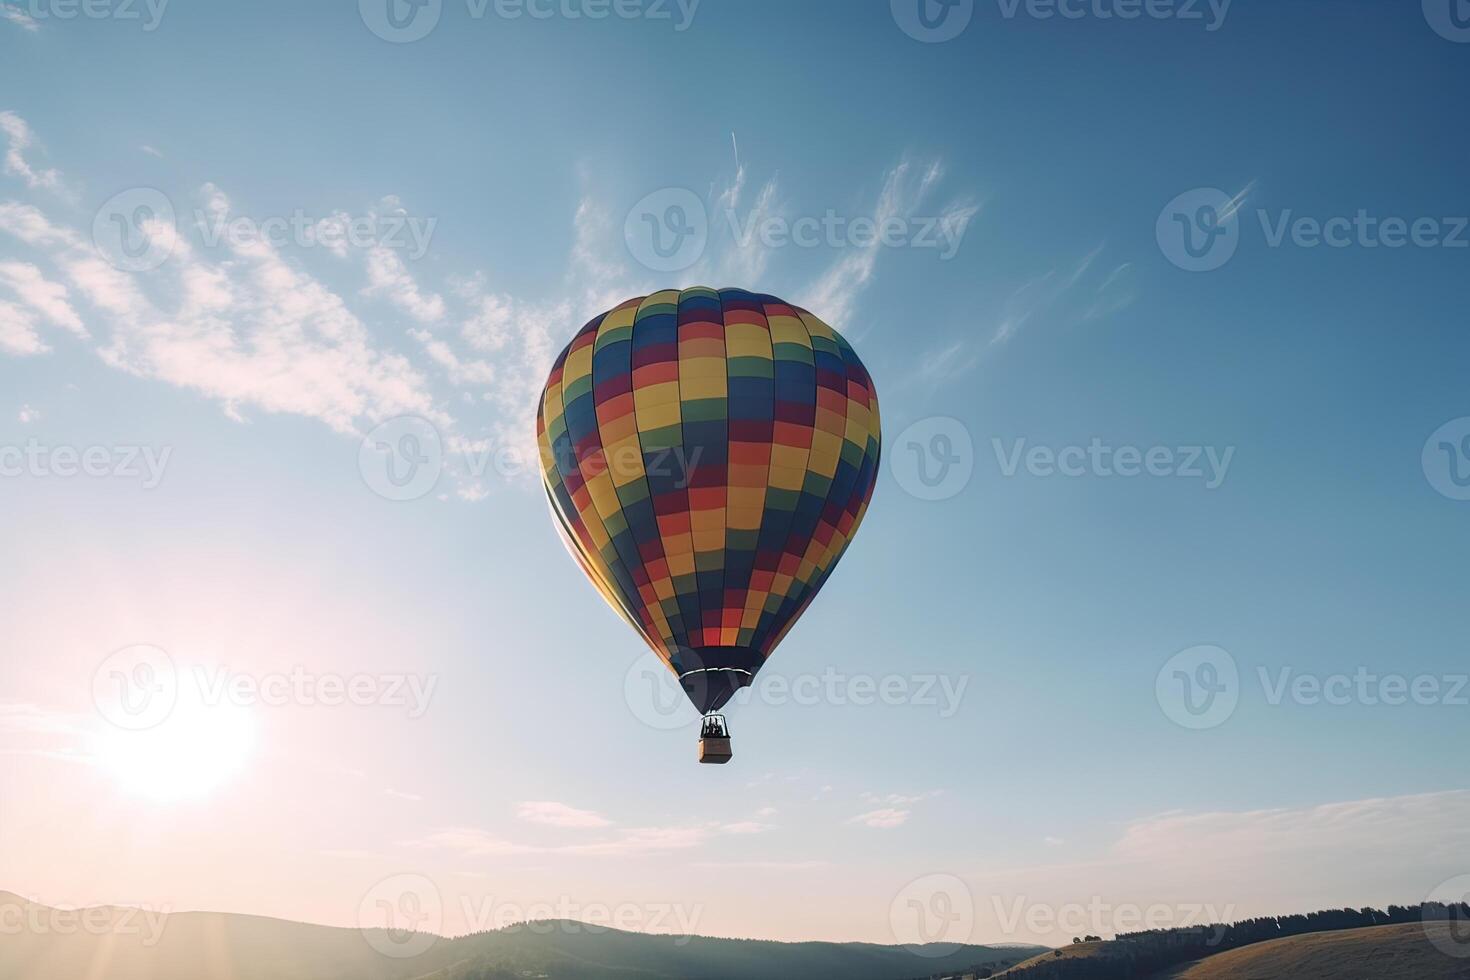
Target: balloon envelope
x=709 y=456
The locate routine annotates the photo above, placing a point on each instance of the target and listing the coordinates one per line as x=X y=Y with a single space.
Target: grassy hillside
x=1401 y=952
x=1099 y=954
x=1396 y=952
x=37 y=943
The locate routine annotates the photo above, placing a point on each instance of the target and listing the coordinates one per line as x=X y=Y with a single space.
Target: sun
x=189 y=755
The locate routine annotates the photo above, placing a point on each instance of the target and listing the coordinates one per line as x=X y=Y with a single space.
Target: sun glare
x=192 y=753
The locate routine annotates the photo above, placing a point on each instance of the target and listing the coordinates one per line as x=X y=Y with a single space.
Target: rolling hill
x=39 y=943
x=1402 y=952
x=1394 y=952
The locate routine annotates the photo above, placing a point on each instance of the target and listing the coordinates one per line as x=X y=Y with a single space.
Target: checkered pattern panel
x=709 y=456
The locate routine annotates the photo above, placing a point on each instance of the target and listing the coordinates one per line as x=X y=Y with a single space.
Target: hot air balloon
x=708 y=456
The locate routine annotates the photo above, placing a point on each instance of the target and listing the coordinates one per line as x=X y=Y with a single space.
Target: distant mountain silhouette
x=39 y=943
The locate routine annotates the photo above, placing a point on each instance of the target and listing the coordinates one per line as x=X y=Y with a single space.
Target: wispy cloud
x=249 y=324
x=459 y=370
x=45 y=297
x=389 y=277
x=747 y=257
x=885 y=818
x=834 y=296
x=947 y=362
x=18 y=140
x=1234 y=205
x=251 y=331
x=737 y=253
x=1038 y=296
x=18 y=334
x=1068 y=294
x=736 y=257
x=1115 y=293
x=556 y=814
x=900 y=799
x=892 y=809
x=14 y=15
x=521 y=336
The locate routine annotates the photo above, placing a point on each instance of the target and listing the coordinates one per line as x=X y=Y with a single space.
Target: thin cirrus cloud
x=249 y=325
x=900 y=799
x=884 y=818
x=19 y=140
x=1075 y=294
x=14 y=15
x=1040 y=296
x=1233 y=206
x=890 y=809
x=556 y=814
x=906 y=188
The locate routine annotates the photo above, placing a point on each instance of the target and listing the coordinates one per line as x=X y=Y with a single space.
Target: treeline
x=1136 y=955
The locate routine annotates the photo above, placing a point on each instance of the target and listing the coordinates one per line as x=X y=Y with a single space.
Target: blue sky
x=1050 y=151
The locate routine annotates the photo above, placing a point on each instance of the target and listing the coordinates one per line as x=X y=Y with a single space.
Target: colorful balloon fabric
x=709 y=456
